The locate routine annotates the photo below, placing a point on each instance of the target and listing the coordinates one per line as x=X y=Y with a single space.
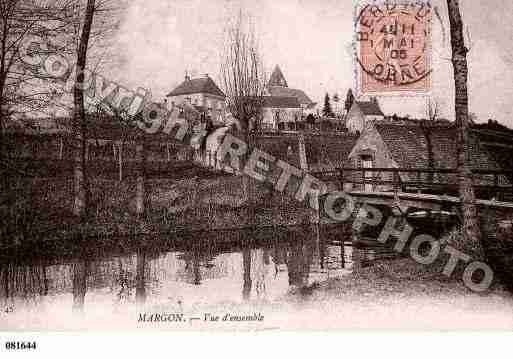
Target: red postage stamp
x=393 y=47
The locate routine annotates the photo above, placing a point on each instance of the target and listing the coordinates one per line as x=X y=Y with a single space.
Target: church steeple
x=277 y=78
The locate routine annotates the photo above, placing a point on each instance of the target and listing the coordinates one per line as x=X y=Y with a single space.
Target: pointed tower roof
x=277 y=78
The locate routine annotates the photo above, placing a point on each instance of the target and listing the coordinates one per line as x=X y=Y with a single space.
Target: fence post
x=496 y=186
x=341 y=175
x=342 y=254
x=212 y=208
x=357 y=253
x=61 y=147
x=419 y=185
x=120 y=161
x=511 y=182
x=196 y=197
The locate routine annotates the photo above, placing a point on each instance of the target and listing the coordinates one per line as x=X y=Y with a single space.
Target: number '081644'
x=20 y=345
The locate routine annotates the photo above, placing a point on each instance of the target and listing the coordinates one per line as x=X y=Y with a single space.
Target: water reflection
x=80 y=272
x=256 y=267
x=246 y=266
x=140 y=287
x=299 y=260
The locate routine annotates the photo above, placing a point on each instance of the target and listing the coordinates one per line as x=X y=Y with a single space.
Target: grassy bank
x=389 y=282
x=399 y=294
x=36 y=209
x=397 y=278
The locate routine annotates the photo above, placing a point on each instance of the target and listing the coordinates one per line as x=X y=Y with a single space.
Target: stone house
x=280 y=113
x=388 y=145
x=284 y=106
x=202 y=93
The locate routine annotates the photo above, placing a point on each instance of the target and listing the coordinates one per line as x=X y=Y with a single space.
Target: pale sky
x=311 y=40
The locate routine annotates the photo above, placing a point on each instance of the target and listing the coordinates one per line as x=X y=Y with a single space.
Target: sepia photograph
x=242 y=166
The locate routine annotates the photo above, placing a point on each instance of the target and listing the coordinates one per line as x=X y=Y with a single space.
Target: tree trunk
x=471 y=233
x=140 y=198
x=247 y=183
x=79 y=171
x=1 y=122
x=3 y=77
x=120 y=161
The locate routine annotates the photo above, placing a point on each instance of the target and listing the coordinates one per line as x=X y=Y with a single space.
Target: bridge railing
x=488 y=183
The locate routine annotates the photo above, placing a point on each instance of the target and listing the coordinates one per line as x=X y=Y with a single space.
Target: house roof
x=290 y=92
x=370 y=108
x=499 y=145
x=277 y=78
x=280 y=102
x=408 y=146
x=199 y=85
x=329 y=152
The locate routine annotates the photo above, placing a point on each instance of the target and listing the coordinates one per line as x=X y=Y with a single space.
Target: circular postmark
x=394 y=46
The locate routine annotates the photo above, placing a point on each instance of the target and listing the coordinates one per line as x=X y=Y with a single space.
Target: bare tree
x=471 y=233
x=244 y=81
x=79 y=117
x=90 y=31
x=19 y=20
x=242 y=73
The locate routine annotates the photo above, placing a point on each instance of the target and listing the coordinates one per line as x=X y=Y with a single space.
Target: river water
x=264 y=273
x=208 y=270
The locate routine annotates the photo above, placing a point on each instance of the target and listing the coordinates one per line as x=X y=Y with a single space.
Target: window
x=367 y=162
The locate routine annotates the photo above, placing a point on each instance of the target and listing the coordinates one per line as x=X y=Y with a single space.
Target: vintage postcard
x=233 y=165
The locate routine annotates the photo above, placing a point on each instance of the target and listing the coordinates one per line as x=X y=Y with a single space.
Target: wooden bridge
x=431 y=189
x=415 y=194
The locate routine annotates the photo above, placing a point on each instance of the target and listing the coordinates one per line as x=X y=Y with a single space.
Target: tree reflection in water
x=28 y=283
x=299 y=261
x=80 y=273
x=140 y=278
x=261 y=266
x=246 y=264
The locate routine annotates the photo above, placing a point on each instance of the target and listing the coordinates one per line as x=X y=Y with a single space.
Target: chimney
x=187 y=77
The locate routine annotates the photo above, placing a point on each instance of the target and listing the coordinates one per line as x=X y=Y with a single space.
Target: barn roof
x=370 y=108
x=280 y=102
x=329 y=152
x=409 y=147
x=199 y=85
x=280 y=91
